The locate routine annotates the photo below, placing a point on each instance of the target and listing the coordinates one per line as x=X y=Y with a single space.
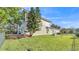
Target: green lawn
x=41 y=43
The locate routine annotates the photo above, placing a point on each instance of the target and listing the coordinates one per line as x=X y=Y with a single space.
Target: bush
x=77 y=34
x=29 y=49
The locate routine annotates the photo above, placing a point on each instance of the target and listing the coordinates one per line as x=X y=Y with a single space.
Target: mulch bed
x=17 y=36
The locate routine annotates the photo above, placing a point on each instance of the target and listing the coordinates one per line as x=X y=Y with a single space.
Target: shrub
x=29 y=49
x=77 y=34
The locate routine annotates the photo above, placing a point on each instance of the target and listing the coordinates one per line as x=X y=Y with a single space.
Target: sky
x=65 y=17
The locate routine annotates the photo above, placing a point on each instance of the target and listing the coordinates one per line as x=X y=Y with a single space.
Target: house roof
x=45 y=19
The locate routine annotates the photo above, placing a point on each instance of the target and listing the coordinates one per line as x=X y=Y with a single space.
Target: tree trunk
x=31 y=33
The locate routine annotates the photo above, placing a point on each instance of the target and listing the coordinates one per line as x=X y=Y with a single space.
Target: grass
x=41 y=43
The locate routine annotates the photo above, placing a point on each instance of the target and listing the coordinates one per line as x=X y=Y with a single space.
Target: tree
x=38 y=17
x=63 y=31
x=11 y=18
x=22 y=23
x=67 y=31
x=33 y=20
x=14 y=14
x=3 y=15
x=77 y=32
x=23 y=14
x=55 y=26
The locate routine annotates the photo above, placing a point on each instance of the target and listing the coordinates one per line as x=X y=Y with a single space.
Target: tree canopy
x=55 y=26
x=34 y=18
x=11 y=16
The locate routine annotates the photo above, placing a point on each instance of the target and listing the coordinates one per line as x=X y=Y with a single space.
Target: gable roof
x=46 y=20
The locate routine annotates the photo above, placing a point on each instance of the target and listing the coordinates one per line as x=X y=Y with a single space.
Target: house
x=45 y=28
x=55 y=31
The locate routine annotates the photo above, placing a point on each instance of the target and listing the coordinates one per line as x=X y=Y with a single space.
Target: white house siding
x=55 y=31
x=43 y=30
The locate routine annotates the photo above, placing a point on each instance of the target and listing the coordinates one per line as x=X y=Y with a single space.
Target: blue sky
x=62 y=16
